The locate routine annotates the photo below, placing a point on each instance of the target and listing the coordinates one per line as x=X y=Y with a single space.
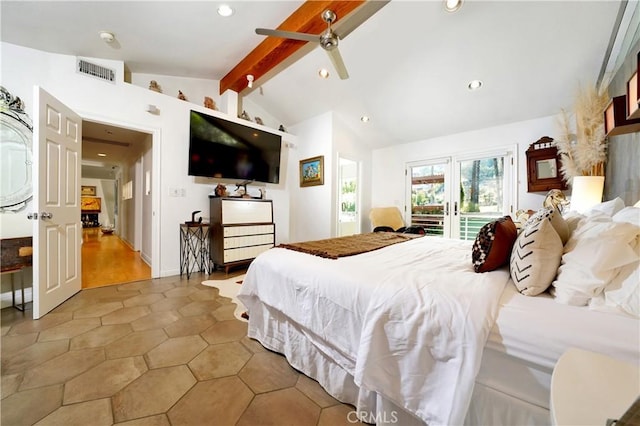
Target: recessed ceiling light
x=452 y=5
x=364 y=119
x=324 y=73
x=474 y=84
x=102 y=154
x=225 y=10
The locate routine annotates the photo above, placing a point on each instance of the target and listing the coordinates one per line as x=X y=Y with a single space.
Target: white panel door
x=57 y=232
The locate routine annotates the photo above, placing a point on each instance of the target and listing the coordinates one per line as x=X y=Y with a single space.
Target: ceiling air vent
x=97 y=71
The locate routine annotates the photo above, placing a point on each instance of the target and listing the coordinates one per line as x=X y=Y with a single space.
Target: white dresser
x=240 y=230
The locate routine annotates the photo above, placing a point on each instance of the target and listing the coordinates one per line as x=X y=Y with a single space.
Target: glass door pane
x=481 y=196
x=429 y=197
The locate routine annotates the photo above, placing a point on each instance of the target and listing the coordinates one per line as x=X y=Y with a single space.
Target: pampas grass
x=584 y=153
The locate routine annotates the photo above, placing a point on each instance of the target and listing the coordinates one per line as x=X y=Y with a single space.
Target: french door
x=454 y=197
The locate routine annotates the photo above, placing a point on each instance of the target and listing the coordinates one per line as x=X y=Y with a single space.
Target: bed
x=410 y=334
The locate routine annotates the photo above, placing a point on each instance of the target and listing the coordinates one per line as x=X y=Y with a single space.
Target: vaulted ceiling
x=410 y=62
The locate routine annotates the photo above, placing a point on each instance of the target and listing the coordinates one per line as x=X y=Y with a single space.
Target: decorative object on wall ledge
x=282 y=129
x=543 y=166
x=220 y=191
x=88 y=191
x=583 y=153
x=181 y=96
x=16 y=150
x=312 y=171
x=244 y=116
x=615 y=118
x=209 y=103
x=153 y=85
x=259 y=120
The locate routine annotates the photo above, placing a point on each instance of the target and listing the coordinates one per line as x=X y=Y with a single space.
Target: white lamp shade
x=586 y=192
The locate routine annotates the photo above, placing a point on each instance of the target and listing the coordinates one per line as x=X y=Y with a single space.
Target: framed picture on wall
x=90 y=204
x=88 y=191
x=312 y=171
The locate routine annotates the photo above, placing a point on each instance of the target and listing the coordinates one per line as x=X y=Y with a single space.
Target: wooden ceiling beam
x=274 y=50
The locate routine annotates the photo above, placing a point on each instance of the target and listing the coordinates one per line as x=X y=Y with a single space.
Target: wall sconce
x=250 y=80
x=586 y=192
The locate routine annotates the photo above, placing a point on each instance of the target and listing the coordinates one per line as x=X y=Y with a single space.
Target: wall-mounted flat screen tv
x=223 y=149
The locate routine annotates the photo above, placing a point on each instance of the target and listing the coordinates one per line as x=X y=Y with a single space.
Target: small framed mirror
x=543 y=166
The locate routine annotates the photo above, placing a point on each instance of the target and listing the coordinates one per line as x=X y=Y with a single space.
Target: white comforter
x=408 y=321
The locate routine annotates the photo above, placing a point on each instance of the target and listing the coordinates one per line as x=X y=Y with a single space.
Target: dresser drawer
x=243 y=253
x=248 y=240
x=237 y=231
x=246 y=211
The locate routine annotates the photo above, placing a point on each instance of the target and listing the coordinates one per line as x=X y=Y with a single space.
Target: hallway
x=107 y=260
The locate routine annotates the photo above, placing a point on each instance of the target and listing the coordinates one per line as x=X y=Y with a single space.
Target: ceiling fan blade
x=288 y=34
x=338 y=63
x=344 y=27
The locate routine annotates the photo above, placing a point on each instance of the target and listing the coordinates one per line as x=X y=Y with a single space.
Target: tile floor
x=165 y=351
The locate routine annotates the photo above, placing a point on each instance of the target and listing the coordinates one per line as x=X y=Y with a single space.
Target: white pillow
x=535 y=258
x=593 y=256
x=623 y=292
x=628 y=214
x=609 y=207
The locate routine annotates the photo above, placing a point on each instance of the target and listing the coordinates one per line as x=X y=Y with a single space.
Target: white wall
x=388 y=183
x=346 y=145
x=312 y=207
x=125 y=105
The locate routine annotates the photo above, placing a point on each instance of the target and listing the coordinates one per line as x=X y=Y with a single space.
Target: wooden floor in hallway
x=107 y=260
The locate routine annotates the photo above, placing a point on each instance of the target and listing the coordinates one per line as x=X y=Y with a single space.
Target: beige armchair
x=386 y=217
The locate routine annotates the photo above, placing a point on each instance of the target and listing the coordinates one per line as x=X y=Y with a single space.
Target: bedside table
x=587 y=388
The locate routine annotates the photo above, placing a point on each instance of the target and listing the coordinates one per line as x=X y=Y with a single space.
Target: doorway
x=117 y=245
x=348 y=197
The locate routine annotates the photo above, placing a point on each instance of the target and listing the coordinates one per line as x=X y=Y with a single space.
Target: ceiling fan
x=328 y=40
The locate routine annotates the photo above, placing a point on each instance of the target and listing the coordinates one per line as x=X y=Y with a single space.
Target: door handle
x=455 y=208
x=446 y=208
x=46 y=215
x=32 y=216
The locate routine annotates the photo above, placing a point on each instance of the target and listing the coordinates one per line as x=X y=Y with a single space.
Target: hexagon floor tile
x=161 y=352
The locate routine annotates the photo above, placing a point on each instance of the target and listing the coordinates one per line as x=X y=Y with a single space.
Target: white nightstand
x=587 y=388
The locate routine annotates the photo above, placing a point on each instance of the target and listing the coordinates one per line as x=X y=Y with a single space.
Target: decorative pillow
x=556 y=219
x=594 y=255
x=535 y=258
x=493 y=244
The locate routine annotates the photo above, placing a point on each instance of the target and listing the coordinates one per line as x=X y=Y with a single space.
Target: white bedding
x=408 y=322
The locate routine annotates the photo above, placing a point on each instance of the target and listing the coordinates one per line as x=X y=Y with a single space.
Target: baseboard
x=145 y=258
